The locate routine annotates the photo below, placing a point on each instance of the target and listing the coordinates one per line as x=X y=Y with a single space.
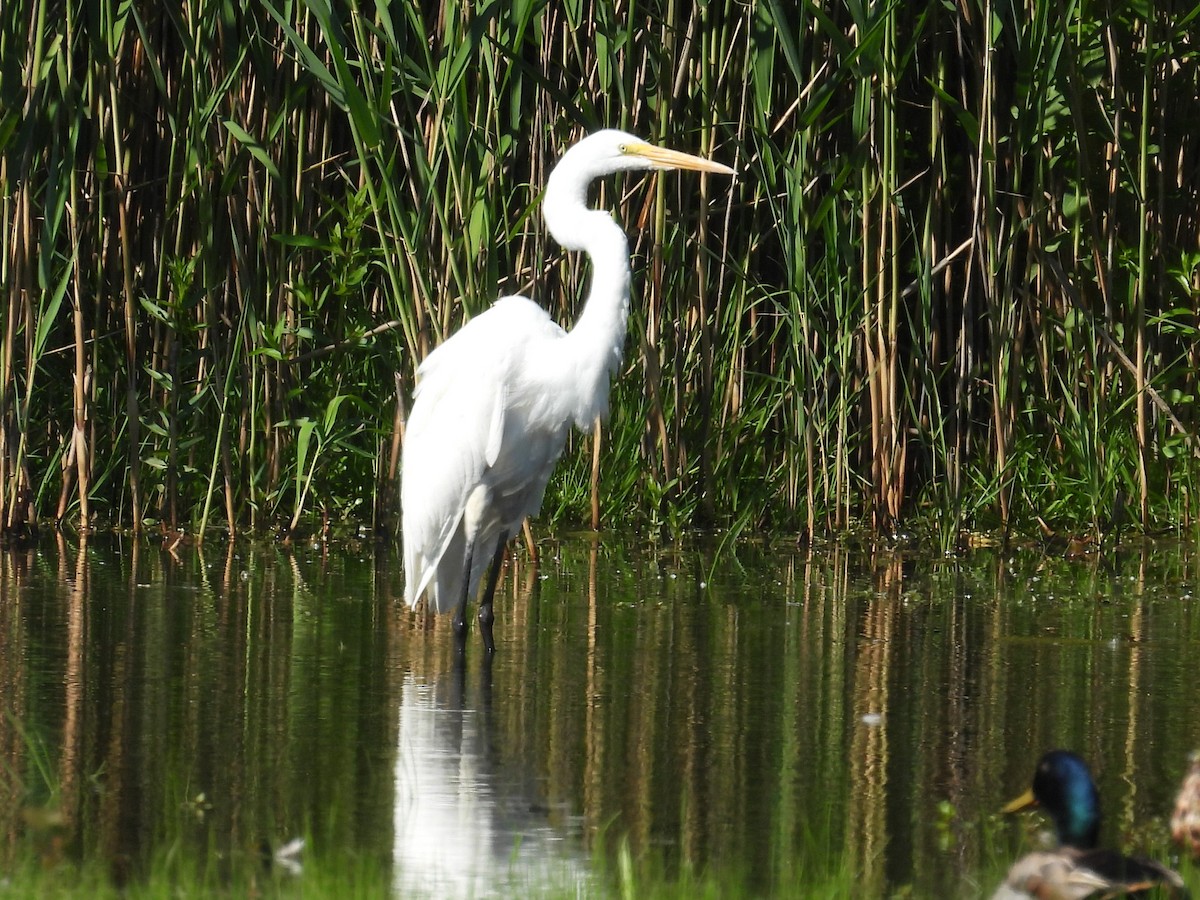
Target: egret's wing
x=445 y=446
x=454 y=434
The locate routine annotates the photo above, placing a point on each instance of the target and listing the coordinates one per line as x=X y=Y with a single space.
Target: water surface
x=778 y=717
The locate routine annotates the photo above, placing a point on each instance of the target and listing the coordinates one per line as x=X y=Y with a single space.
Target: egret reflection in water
x=464 y=826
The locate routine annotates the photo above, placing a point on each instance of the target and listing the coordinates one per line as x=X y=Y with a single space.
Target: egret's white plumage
x=494 y=403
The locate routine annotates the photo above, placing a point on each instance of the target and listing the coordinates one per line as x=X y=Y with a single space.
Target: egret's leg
x=460 y=620
x=486 y=616
x=460 y=614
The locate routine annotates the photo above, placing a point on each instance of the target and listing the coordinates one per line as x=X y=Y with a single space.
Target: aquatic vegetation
x=956 y=284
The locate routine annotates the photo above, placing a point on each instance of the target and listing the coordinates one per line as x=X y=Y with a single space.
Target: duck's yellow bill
x=1023 y=802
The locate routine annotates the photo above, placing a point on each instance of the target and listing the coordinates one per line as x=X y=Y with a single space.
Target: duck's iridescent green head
x=1063 y=786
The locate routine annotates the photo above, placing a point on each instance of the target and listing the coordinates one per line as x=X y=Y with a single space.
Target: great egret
x=494 y=403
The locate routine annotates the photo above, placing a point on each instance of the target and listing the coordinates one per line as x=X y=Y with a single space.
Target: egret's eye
x=621 y=148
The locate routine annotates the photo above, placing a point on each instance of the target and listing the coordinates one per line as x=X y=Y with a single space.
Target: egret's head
x=611 y=150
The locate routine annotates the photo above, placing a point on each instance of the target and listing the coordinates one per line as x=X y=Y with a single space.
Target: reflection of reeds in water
x=225 y=699
x=14 y=707
x=869 y=757
x=73 y=687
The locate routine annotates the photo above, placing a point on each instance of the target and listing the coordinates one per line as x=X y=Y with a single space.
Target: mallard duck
x=1185 y=821
x=1063 y=787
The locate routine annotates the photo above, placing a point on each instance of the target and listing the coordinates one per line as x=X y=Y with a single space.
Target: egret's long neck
x=597 y=341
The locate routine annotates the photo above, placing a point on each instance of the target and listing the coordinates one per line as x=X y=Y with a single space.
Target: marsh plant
x=955 y=285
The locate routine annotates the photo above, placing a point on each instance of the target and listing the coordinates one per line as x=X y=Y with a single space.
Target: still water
x=768 y=717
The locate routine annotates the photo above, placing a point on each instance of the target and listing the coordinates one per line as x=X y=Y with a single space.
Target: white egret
x=493 y=404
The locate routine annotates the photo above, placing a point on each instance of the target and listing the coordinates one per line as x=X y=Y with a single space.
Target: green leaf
x=256 y=149
x=49 y=311
x=306 y=241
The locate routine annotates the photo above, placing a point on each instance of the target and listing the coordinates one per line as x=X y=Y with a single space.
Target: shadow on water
x=785 y=718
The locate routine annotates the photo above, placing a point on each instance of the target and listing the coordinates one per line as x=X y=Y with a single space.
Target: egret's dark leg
x=486 y=616
x=460 y=621
x=460 y=614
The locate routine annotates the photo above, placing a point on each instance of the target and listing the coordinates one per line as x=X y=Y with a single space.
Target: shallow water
x=772 y=718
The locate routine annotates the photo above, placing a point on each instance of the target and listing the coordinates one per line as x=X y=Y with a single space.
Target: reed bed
x=954 y=286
